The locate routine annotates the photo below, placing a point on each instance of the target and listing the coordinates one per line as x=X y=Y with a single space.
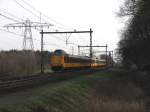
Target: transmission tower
x=27 y=25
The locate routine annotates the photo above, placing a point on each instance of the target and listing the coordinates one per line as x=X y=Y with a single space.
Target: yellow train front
x=60 y=60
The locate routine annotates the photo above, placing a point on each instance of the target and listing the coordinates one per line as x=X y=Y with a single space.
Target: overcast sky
x=65 y=15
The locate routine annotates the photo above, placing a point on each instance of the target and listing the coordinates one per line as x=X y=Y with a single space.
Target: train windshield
x=59 y=52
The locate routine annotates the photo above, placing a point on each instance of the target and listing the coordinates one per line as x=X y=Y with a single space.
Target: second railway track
x=14 y=83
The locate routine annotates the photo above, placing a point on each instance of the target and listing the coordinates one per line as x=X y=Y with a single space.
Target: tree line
x=134 y=46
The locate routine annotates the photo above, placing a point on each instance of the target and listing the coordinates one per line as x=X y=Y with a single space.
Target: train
x=60 y=60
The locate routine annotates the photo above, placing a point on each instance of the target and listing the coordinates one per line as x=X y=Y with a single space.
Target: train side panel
x=71 y=62
x=62 y=61
x=76 y=66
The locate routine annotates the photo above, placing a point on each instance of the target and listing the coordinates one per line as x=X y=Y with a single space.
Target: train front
x=57 y=60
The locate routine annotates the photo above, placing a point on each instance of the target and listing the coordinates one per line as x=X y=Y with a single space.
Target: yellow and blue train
x=60 y=60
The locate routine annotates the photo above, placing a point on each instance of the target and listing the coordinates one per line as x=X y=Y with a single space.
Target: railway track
x=18 y=82
x=8 y=84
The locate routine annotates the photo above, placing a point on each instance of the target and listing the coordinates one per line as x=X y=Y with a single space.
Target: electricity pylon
x=27 y=25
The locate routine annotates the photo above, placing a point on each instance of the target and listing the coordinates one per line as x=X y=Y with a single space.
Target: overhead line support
x=42 y=61
x=91 y=50
x=64 y=32
x=67 y=32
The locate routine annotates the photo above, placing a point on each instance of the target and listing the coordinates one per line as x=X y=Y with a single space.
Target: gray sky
x=65 y=15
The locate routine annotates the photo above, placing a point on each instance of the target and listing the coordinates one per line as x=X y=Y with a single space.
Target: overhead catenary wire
x=53 y=44
x=58 y=38
x=78 y=39
x=82 y=38
x=74 y=36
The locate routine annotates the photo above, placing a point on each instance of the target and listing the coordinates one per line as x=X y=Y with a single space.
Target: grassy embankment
x=101 y=92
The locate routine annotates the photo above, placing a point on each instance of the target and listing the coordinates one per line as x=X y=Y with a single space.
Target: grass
x=99 y=92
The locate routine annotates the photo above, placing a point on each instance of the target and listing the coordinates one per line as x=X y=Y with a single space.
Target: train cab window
x=59 y=52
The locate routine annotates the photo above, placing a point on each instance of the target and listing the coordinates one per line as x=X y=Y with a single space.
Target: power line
x=39 y=13
x=45 y=15
x=11 y=32
x=34 y=15
x=57 y=23
x=51 y=44
x=27 y=9
x=30 y=5
x=23 y=36
x=27 y=31
x=39 y=17
x=11 y=14
x=8 y=17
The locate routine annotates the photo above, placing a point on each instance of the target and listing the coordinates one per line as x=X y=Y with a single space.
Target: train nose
x=56 y=60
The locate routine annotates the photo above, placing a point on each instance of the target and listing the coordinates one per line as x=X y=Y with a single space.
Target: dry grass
x=106 y=95
x=106 y=104
x=116 y=95
x=94 y=93
x=18 y=63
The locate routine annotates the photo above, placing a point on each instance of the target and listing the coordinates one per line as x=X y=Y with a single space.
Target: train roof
x=59 y=52
x=77 y=56
x=62 y=52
